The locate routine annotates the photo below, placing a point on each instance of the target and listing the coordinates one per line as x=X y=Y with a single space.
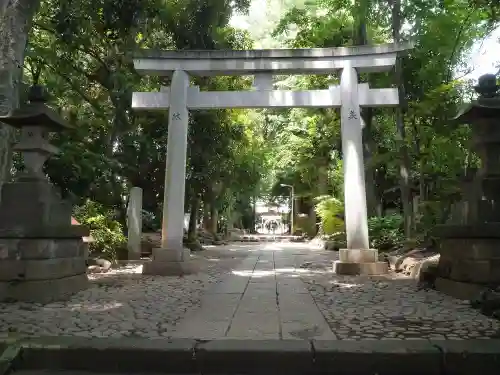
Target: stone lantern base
x=359 y=262
x=41 y=267
x=42 y=256
x=469 y=259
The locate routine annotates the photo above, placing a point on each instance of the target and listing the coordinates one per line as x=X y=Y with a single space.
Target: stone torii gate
x=350 y=95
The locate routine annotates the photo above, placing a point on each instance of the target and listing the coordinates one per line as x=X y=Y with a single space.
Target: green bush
x=304 y=225
x=150 y=221
x=105 y=230
x=328 y=208
x=386 y=232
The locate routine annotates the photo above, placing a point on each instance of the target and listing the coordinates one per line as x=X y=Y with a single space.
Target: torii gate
x=350 y=95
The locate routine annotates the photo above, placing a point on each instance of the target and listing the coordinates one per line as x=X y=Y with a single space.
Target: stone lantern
x=470 y=253
x=42 y=256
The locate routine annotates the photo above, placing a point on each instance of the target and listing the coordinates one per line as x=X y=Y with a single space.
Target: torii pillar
x=172 y=258
x=358 y=258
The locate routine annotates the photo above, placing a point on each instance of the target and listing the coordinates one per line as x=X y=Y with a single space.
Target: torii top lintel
x=374 y=58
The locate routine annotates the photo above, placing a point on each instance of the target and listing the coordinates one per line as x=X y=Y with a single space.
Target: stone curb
x=9 y=358
x=186 y=356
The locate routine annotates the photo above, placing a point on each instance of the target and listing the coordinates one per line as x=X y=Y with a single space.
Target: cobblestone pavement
x=121 y=303
x=280 y=291
x=390 y=307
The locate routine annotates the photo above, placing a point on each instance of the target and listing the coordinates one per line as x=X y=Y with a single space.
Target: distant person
x=274 y=226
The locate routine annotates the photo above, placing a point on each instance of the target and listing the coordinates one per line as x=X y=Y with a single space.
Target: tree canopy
x=82 y=52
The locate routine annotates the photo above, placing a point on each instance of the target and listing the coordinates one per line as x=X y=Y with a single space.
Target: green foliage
x=82 y=51
x=104 y=229
x=438 y=151
x=386 y=232
x=329 y=208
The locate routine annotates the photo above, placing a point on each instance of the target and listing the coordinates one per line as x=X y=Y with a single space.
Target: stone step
x=72 y=355
x=270 y=238
x=366 y=269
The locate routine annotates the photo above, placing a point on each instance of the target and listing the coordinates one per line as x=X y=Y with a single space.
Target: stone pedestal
x=42 y=256
x=167 y=262
x=469 y=259
x=359 y=262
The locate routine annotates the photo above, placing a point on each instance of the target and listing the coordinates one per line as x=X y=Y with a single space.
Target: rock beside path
x=97 y=265
x=419 y=264
x=488 y=303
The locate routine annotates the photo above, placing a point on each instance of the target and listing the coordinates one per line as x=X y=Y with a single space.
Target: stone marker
x=349 y=96
x=42 y=256
x=134 y=223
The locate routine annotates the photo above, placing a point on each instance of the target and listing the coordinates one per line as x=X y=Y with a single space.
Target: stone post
x=358 y=258
x=134 y=223
x=172 y=258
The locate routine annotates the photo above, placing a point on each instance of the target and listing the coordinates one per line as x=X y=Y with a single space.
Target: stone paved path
x=266 y=291
x=257 y=302
x=287 y=291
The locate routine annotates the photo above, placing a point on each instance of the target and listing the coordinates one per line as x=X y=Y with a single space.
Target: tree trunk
x=206 y=215
x=193 y=218
x=313 y=229
x=230 y=213
x=404 y=170
x=230 y=221
x=372 y=199
x=360 y=38
x=323 y=179
x=16 y=17
x=254 y=214
x=214 y=219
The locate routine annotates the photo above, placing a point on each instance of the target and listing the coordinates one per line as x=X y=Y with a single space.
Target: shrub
x=329 y=209
x=150 y=221
x=386 y=232
x=105 y=230
x=304 y=225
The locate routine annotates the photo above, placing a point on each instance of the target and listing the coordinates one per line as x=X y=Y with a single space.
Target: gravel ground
x=391 y=307
x=120 y=303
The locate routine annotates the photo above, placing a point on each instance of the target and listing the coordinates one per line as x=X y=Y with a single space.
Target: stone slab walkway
x=256 y=301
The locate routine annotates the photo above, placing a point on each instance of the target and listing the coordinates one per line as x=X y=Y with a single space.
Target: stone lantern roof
x=36 y=113
x=486 y=106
